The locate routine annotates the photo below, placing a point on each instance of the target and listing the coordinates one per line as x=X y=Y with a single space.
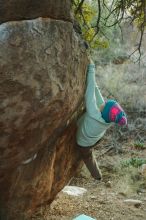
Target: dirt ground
x=104 y=200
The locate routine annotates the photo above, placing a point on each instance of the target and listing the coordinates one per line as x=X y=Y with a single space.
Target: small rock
x=108 y=184
x=93 y=197
x=122 y=194
x=135 y=202
x=74 y=190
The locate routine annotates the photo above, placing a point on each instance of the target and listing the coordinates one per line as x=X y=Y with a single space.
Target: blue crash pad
x=84 y=217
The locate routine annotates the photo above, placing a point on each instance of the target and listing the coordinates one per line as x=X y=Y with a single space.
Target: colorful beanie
x=113 y=112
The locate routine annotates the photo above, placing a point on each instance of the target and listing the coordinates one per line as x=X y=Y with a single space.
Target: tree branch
x=79 y=6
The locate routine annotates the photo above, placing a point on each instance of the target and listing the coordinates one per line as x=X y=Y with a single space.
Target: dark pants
x=90 y=161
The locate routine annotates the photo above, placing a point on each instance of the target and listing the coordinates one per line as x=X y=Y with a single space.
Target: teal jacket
x=91 y=125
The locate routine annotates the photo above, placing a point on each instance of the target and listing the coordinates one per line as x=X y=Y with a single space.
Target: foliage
x=86 y=18
x=135 y=162
x=139 y=145
x=96 y=16
x=137 y=11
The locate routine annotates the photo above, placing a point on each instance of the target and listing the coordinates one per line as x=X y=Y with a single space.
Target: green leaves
x=86 y=16
x=96 y=17
x=139 y=145
x=135 y=162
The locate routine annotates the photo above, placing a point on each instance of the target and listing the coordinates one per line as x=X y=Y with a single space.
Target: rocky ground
x=124 y=182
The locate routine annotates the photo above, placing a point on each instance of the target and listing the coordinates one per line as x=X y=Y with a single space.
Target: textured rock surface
x=27 y=9
x=42 y=78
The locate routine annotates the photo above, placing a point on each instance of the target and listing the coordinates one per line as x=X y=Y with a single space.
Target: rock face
x=11 y=10
x=42 y=80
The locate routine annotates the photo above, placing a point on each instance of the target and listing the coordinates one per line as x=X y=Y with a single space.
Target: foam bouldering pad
x=83 y=217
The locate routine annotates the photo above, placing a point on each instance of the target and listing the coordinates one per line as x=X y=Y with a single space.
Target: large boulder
x=28 y=9
x=42 y=82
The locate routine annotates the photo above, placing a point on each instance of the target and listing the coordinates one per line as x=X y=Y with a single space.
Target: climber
x=98 y=117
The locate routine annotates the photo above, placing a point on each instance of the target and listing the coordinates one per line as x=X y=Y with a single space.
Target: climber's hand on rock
x=90 y=60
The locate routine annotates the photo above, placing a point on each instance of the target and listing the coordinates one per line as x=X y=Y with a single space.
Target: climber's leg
x=90 y=162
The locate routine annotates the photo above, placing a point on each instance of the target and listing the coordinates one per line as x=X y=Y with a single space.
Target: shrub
x=139 y=145
x=135 y=162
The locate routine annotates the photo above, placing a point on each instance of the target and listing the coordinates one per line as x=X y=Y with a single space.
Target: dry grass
x=126 y=83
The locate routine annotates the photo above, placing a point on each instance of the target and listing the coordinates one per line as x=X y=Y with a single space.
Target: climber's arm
x=99 y=98
x=90 y=97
